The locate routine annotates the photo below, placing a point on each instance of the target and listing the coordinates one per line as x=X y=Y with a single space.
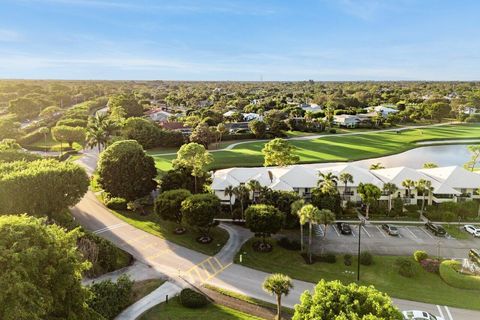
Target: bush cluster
x=116 y=203
x=420 y=255
x=452 y=211
x=347 y=259
x=366 y=258
x=430 y=265
x=110 y=298
x=449 y=272
x=192 y=299
x=406 y=267
x=288 y=244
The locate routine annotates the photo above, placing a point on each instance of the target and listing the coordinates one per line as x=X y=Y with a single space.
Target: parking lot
x=376 y=240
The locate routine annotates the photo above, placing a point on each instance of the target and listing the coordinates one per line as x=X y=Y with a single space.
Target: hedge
x=110 y=298
x=116 y=203
x=450 y=274
x=192 y=299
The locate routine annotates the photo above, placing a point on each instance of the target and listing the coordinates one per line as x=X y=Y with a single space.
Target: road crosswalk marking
x=111 y=227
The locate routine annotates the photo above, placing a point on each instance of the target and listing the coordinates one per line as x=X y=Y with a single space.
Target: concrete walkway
x=158 y=296
x=138 y=271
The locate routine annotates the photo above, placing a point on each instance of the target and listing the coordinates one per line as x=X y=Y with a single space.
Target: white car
x=474 y=231
x=419 y=315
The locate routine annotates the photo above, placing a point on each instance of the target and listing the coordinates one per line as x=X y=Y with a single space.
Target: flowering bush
x=430 y=265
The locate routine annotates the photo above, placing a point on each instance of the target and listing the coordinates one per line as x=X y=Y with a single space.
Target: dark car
x=344 y=228
x=436 y=229
x=390 y=229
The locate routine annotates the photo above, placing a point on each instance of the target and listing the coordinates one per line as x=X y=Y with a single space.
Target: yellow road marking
x=218 y=262
x=198 y=273
x=211 y=264
x=134 y=240
x=161 y=252
x=198 y=264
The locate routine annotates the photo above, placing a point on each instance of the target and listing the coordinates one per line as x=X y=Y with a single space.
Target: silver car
x=474 y=231
x=390 y=229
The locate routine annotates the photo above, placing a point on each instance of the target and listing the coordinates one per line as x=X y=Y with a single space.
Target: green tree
x=125 y=106
x=429 y=165
x=9 y=128
x=264 y=220
x=229 y=192
x=408 y=185
x=336 y=301
x=241 y=193
x=389 y=189
x=311 y=214
x=69 y=134
x=254 y=187
x=328 y=183
x=199 y=210
x=110 y=298
x=370 y=194
x=100 y=130
x=278 y=284
x=439 y=110
x=425 y=188
x=144 y=131
x=41 y=271
x=24 y=108
x=325 y=217
x=377 y=166
x=221 y=130
x=125 y=171
x=258 y=128
x=202 y=134
x=43 y=187
x=278 y=152
x=345 y=178
x=195 y=157
x=472 y=163
x=295 y=210
x=169 y=204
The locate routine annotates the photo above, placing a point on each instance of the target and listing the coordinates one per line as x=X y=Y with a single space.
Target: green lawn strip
x=153 y=224
x=457 y=231
x=383 y=274
x=143 y=288
x=338 y=147
x=175 y=311
x=248 y=299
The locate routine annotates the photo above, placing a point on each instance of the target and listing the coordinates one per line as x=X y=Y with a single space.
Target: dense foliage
x=192 y=299
x=199 y=210
x=110 y=298
x=264 y=220
x=169 y=204
x=125 y=171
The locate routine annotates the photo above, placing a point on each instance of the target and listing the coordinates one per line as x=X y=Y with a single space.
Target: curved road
x=185 y=267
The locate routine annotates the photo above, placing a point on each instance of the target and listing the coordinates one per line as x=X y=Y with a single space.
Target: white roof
x=360 y=175
x=454 y=176
x=229 y=113
x=300 y=177
x=398 y=175
x=279 y=185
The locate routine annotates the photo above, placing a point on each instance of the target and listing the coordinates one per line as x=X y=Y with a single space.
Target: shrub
x=31 y=137
x=406 y=267
x=110 y=298
x=420 y=255
x=327 y=257
x=366 y=258
x=192 y=299
x=347 y=259
x=116 y=203
x=450 y=274
x=288 y=244
x=332 y=130
x=430 y=265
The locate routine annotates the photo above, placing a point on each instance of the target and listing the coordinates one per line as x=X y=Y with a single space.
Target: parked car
x=474 y=231
x=344 y=228
x=390 y=229
x=436 y=229
x=419 y=315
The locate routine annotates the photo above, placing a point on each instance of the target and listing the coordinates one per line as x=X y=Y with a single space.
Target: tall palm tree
x=295 y=208
x=408 y=184
x=326 y=217
x=100 y=129
x=278 y=284
x=228 y=192
x=254 y=186
x=425 y=187
x=345 y=178
x=389 y=189
x=309 y=213
x=328 y=183
x=240 y=193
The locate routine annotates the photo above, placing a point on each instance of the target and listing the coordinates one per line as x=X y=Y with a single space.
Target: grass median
x=383 y=274
x=333 y=148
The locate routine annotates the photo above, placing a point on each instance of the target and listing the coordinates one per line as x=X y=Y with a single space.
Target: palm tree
x=254 y=186
x=423 y=186
x=346 y=178
x=390 y=189
x=369 y=194
x=327 y=183
x=278 y=284
x=309 y=213
x=408 y=184
x=377 y=166
x=240 y=193
x=99 y=130
x=326 y=217
x=228 y=192
x=295 y=210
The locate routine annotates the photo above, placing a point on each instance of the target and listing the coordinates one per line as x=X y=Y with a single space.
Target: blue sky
x=240 y=40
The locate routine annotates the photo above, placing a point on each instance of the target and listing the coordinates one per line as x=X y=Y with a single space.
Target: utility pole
x=362 y=222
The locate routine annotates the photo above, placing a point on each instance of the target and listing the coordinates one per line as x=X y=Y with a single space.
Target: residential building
x=346 y=120
x=158 y=115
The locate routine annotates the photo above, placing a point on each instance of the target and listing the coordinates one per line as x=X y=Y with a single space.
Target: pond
x=442 y=155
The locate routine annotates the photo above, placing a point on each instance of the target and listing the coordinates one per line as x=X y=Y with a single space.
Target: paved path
x=137 y=272
x=184 y=266
x=319 y=136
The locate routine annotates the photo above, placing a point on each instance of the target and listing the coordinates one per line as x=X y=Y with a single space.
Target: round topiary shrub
x=192 y=299
x=347 y=259
x=406 y=267
x=366 y=258
x=116 y=204
x=420 y=255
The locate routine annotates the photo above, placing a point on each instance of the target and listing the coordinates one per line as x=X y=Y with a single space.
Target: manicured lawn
x=175 y=311
x=152 y=223
x=143 y=288
x=338 y=147
x=383 y=274
x=457 y=231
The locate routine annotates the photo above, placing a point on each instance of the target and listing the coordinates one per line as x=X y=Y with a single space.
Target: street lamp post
x=362 y=223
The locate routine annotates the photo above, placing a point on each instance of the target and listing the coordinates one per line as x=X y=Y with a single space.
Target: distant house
x=346 y=120
x=384 y=110
x=252 y=116
x=312 y=107
x=158 y=115
x=470 y=110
